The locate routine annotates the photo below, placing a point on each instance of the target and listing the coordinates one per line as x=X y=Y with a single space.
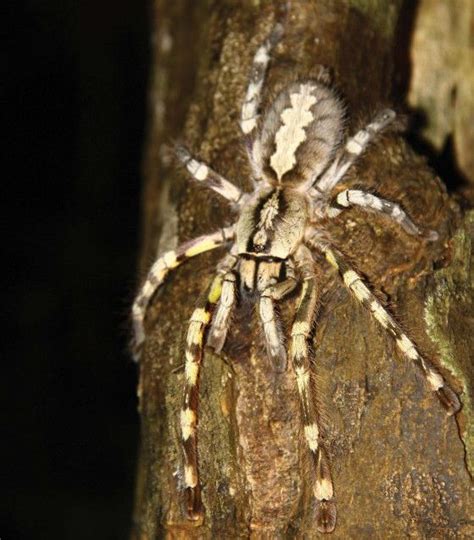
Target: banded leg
x=270 y=320
x=299 y=351
x=188 y=421
x=249 y=113
x=355 y=197
x=159 y=271
x=361 y=292
x=204 y=174
x=354 y=147
x=221 y=320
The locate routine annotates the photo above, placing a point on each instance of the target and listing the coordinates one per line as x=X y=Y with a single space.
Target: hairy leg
x=200 y=320
x=221 y=321
x=270 y=320
x=353 y=148
x=356 y=197
x=158 y=272
x=362 y=294
x=249 y=113
x=189 y=413
x=202 y=173
x=300 y=357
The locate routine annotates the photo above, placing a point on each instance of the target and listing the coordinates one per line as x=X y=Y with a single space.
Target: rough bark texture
x=400 y=465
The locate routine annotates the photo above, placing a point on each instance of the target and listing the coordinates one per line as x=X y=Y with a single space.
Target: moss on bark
x=449 y=306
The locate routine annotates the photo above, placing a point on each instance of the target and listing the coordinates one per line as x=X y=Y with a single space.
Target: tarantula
x=297 y=156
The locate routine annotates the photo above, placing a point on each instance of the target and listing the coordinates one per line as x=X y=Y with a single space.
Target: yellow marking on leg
x=311 y=433
x=301 y=327
x=216 y=290
x=190 y=476
x=200 y=315
x=200 y=247
x=331 y=258
x=188 y=424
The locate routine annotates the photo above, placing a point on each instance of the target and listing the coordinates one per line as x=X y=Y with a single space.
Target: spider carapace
x=298 y=154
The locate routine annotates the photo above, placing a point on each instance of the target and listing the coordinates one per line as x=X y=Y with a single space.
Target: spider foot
x=195 y=510
x=431 y=236
x=276 y=34
x=215 y=342
x=278 y=358
x=326 y=516
x=449 y=399
x=382 y=119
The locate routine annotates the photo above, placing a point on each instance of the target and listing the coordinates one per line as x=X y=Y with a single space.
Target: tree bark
x=400 y=465
x=442 y=81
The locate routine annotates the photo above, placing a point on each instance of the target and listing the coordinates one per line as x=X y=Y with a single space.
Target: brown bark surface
x=400 y=466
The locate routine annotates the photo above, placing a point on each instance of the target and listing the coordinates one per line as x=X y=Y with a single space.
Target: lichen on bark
x=450 y=304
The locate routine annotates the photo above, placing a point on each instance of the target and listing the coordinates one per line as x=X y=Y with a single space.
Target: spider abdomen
x=299 y=134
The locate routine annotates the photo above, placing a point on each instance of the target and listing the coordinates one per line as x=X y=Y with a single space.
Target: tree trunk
x=400 y=465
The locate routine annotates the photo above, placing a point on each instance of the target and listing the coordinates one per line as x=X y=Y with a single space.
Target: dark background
x=74 y=107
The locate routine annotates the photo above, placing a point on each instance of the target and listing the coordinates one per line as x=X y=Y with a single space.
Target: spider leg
x=356 y=197
x=299 y=352
x=353 y=148
x=210 y=178
x=270 y=320
x=189 y=413
x=159 y=271
x=249 y=113
x=221 y=320
x=361 y=292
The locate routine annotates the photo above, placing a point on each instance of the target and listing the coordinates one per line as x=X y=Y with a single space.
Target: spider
x=297 y=156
